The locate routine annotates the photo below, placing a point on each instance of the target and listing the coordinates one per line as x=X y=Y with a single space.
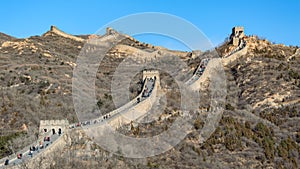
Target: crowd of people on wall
x=202 y=66
x=47 y=139
x=33 y=149
x=146 y=93
x=199 y=71
x=148 y=89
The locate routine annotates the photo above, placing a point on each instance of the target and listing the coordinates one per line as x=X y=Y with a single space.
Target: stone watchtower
x=110 y=31
x=236 y=35
x=53 y=126
x=152 y=74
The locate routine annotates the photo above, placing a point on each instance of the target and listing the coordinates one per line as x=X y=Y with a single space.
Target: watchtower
x=53 y=126
x=236 y=35
x=152 y=74
x=110 y=31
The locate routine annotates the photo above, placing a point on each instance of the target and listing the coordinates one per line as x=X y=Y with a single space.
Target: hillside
x=259 y=128
x=4 y=37
x=36 y=80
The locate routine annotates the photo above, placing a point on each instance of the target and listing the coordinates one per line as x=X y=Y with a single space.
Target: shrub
x=262 y=130
x=99 y=103
x=198 y=124
x=229 y=107
x=285 y=150
x=152 y=164
x=4 y=139
x=233 y=142
x=269 y=147
x=294 y=75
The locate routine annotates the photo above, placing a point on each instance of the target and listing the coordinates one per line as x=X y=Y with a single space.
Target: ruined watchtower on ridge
x=236 y=35
x=110 y=31
x=52 y=126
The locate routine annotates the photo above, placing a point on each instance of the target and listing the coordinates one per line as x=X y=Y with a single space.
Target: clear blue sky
x=277 y=20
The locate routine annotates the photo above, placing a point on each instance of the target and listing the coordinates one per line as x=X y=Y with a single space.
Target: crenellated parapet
x=53 y=126
x=152 y=74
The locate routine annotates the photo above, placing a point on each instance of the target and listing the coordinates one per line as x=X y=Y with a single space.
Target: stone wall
x=55 y=30
x=135 y=112
x=45 y=158
x=206 y=74
x=131 y=110
x=235 y=56
x=296 y=54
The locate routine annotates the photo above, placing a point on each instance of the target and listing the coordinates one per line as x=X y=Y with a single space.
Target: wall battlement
x=53 y=122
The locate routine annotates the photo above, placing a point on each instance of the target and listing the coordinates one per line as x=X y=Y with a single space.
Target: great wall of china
x=55 y=30
x=127 y=113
